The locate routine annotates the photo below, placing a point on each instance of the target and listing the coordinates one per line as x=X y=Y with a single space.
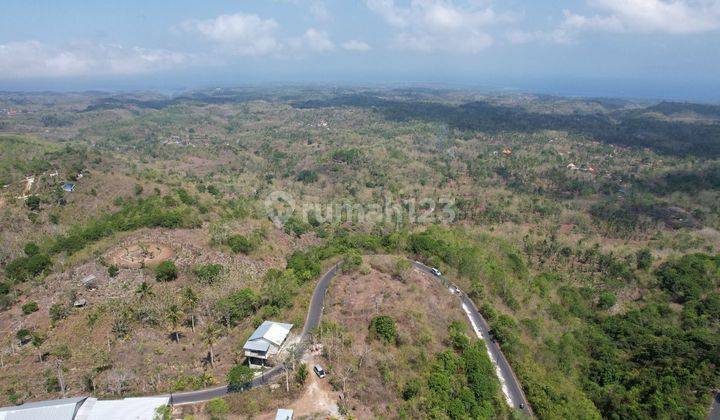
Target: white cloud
x=440 y=25
x=356 y=45
x=318 y=40
x=319 y=11
x=648 y=16
x=392 y=14
x=29 y=59
x=243 y=34
x=250 y=35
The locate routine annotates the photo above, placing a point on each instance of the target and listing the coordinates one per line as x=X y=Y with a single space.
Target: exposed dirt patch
x=366 y=370
x=318 y=400
x=141 y=255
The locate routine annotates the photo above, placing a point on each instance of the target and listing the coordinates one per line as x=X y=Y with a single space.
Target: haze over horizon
x=655 y=49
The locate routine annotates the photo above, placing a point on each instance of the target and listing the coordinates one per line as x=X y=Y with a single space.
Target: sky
x=666 y=49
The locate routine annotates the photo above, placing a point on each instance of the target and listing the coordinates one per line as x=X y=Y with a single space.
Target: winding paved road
x=511 y=387
x=312 y=321
x=510 y=384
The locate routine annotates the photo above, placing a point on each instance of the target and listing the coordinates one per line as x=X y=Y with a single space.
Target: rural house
x=265 y=342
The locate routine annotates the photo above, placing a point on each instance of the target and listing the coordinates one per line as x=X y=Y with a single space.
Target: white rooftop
x=270 y=335
x=42 y=410
x=284 y=414
x=140 y=408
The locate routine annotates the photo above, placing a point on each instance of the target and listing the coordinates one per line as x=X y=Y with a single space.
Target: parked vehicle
x=319 y=371
x=436 y=271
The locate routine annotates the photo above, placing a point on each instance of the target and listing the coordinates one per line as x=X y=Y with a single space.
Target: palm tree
x=190 y=300
x=38 y=339
x=174 y=314
x=144 y=290
x=210 y=336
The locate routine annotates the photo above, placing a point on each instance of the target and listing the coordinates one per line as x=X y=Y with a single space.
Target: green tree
x=166 y=271
x=113 y=271
x=351 y=260
x=239 y=377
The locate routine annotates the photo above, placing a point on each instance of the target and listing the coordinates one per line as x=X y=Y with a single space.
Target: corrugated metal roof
x=142 y=408
x=274 y=332
x=42 y=410
x=257 y=345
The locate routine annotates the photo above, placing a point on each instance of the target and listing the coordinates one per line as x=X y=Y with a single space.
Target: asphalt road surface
x=715 y=408
x=511 y=386
x=312 y=321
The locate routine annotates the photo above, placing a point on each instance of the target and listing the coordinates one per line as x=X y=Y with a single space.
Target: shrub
x=24 y=335
x=688 y=277
x=31 y=249
x=351 y=260
x=411 y=388
x=163 y=412
x=644 y=259
x=166 y=271
x=23 y=268
x=607 y=300
x=30 y=307
x=301 y=374
x=208 y=273
x=33 y=203
x=383 y=327
x=218 y=408
x=113 y=271
x=58 y=312
x=307 y=176
x=239 y=243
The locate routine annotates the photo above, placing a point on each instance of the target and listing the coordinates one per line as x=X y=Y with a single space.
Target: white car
x=436 y=271
x=319 y=371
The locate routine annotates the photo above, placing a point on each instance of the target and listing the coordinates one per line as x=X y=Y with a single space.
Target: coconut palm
x=210 y=336
x=174 y=315
x=189 y=302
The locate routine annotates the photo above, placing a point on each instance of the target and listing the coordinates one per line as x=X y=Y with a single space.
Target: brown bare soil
x=140 y=255
x=365 y=370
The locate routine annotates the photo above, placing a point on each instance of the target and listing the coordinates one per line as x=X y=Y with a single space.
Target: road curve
x=715 y=408
x=312 y=321
x=510 y=385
